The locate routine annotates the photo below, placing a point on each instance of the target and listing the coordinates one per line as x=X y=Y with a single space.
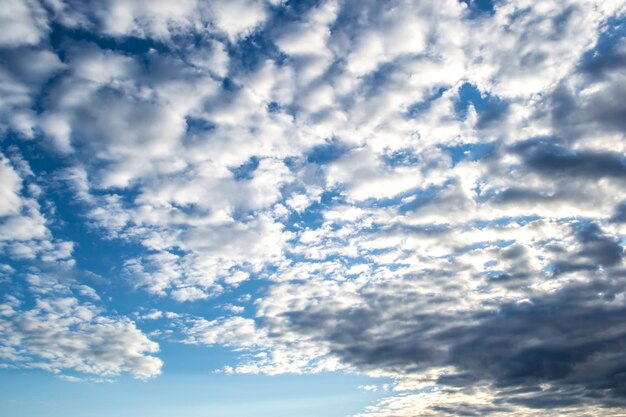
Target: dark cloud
x=609 y=53
x=620 y=213
x=520 y=194
x=572 y=340
x=602 y=109
x=548 y=158
x=602 y=249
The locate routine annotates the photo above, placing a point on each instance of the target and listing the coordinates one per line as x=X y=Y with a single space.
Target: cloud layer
x=431 y=191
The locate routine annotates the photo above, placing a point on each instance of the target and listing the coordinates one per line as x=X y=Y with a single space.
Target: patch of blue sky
x=190 y=389
x=298 y=258
x=131 y=45
x=603 y=55
x=252 y=51
x=402 y=157
x=246 y=170
x=489 y=108
x=613 y=32
x=480 y=7
x=98 y=258
x=98 y=250
x=40 y=161
x=498 y=275
x=398 y=265
x=16 y=287
x=490 y=264
x=472 y=151
x=578 y=223
x=41 y=97
x=406 y=201
x=619 y=216
x=554 y=269
x=313 y=216
x=60 y=199
x=255 y=287
x=332 y=150
x=419 y=197
x=469 y=94
x=295 y=9
x=198 y=125
x=228 y=84
x=274 y=107
x=416 y=108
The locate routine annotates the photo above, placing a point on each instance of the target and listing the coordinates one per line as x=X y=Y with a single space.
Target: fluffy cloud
x=61 y=334
x=161 y=20
x=24 y=232
x=24 y=23
x=57 y=327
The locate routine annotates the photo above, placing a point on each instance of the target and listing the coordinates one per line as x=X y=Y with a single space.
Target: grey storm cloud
x=573 y=339
x=546 y=158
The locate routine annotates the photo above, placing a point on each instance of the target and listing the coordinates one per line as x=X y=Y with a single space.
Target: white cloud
x=391 y=32
x=233 y=331
x=23 y=72
x=24 y=232
x=539 y=46
x=10 y=184
x=152 y=315
x=309 y=36
x=62 y=334
x=23 y=21
x=237 y=18
x=233 y=308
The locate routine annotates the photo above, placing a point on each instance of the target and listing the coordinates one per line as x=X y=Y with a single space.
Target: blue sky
x=316 y=208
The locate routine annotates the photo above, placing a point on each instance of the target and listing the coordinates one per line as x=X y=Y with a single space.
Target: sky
x=338 y=208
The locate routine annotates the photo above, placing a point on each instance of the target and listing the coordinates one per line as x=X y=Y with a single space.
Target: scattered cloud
x=429 y=191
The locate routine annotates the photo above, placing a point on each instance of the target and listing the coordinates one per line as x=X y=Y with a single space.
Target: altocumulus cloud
x=429 y=191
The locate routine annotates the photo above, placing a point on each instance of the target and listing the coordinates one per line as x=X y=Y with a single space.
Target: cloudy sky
x=366 y=208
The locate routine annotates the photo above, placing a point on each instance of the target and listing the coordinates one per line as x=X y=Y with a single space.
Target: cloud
x=161 y=20
x=62 y=334
x=24 y=21
x=57 y=328
x=24 y=233
x=261 y=352
x=23 y=73
x=425 y=191
x=116 y=18
x=11 y=184
x=539 y=46
x=408 y=326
